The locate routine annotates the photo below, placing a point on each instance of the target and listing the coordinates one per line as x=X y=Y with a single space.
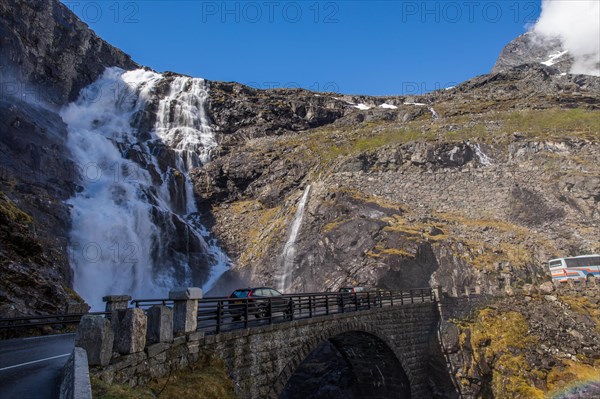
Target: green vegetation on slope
x=9 y=212
x=503 y=345
x=206 y=379
x=330 y=142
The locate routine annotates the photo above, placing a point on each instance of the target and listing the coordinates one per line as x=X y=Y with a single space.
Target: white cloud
x=577 y=24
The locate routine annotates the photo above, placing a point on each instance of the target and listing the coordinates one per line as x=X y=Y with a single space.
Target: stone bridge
x=384 y=352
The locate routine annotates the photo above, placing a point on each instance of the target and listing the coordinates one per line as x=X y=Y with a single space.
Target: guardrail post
x=116 y=302
x=185 y=309
x=270 y=311
x=246 y=313
x=391 y=298
x=219 y=311
x=401 y=297
x=422 y=295
x=116 y=305
x=160 y=324
x=327 y=304
x=341 y=299
x=356 y=301
x=96 y=336
x=368 y=300
x=130 y=328
x=310 y=307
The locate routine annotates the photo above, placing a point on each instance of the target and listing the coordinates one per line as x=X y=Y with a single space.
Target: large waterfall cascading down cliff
x=135 y=226
x=284 y=280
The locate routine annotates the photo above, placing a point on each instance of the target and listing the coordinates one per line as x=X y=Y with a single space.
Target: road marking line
x=48 y=336
x=34 y=361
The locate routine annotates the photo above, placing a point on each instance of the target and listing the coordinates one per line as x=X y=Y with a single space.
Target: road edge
x=75 y=377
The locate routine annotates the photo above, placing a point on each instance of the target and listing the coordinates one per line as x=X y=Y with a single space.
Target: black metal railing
x=216 y=315
x=14 y=327
x=34 y=321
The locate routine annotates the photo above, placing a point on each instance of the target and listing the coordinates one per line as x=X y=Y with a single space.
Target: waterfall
x=289 y=250
x=482 y=156
x=135 y=226
x=182 y=122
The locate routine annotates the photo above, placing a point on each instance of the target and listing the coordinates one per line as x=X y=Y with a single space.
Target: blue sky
x=353 y=47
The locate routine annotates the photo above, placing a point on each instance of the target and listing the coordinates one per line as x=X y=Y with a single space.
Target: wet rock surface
x=35 y=179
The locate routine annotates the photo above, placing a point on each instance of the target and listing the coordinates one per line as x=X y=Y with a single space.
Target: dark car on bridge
x=261 y=302
x=350 y=296
x=358 y=296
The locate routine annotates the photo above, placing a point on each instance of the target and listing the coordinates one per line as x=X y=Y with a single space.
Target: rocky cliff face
x=540 y=343
x=470 y=187
x=47 y=55
x=35 y=177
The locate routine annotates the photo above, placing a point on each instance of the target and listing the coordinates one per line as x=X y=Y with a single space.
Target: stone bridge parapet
x=263 y=359
x=389 y=349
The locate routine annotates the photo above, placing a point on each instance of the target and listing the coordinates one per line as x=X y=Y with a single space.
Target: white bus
x=585 y=267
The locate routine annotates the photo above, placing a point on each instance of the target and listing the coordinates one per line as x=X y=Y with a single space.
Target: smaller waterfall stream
x=482 y=156
x=289 y=250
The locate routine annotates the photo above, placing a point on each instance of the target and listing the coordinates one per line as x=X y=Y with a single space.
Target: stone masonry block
x=183 y=294
x=160 y=324
x=116 y=302
x=95 y=335
x=185 y=316
x=131 y=329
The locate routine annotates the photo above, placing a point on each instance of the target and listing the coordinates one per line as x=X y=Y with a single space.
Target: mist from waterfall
x=284 y=280
x=135 y=227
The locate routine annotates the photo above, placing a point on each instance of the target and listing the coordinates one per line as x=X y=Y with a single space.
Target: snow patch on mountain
x=553 y=58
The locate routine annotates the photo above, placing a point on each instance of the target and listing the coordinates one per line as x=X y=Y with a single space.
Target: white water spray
x=182 y=122
x=135 y=227
x=289 y=250
x=482 y=156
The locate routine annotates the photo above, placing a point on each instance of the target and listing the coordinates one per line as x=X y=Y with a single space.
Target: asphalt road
x=30 y=367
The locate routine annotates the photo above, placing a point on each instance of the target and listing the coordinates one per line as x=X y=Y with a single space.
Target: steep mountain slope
x=436 y=189
x=477 y=194
x=477 y=185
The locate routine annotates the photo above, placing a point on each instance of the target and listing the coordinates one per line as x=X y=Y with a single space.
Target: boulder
x=530 y=289
x=546 y=288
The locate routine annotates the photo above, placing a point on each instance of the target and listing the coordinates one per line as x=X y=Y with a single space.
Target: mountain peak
x=531 y=48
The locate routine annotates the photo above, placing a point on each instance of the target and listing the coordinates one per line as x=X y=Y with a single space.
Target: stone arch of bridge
x=331 y=334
